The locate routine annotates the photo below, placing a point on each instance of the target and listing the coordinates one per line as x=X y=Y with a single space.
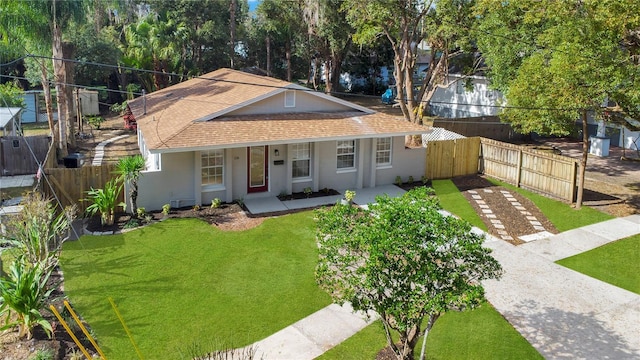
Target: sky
x=253 y=4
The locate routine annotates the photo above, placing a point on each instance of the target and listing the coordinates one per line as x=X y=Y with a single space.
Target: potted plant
x=349 y=195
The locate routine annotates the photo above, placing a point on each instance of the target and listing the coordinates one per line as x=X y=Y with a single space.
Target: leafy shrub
x=215 y=203
x=410 y=181
x=398 y=180
x=307 y=191
x=104 y=201
x=95 y=121
x=140 y=212
x=166 y=208
x=24 y=292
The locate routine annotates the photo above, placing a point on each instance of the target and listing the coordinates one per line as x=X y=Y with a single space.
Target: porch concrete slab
x=563 y=313
x=264 y=205
x=368 y=195
x=313 y=335
x=633 y=218
x=311 y=202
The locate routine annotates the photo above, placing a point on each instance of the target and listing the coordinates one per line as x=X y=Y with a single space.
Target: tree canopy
x=404 y=260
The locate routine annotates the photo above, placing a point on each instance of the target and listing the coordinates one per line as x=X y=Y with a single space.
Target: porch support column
x=228 y=174
x=197 y=177
x=372 y=173
x=360 y=169
x=315 y=174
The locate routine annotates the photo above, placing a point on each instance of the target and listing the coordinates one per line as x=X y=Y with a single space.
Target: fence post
x=519 y=168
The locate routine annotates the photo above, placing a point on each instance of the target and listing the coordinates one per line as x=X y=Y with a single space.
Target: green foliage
x=129 y=169
x=24 y=292
x=166 y=208
x=410 y=180
x=11 y=96
x=402 y=259
x=454 y=202
x=424 y=180
x=104 y=201
x=555 y=59
x=37 y=232
x=43 y=354
x=140 y=212
x=95 y=121
x=349 y=195
x=119 y=108
x=398 y=180
x=307 y=191
x=215 y=203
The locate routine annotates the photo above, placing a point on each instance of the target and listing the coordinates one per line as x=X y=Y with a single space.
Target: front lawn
x=183 y=284
x=615 y=263
x=481 y=333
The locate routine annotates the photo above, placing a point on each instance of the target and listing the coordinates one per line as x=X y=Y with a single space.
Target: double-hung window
x=346 y=154
x=300 y=160
x=212 y=167
x=383 y=151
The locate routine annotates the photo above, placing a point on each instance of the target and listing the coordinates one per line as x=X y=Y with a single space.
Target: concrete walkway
x=99 y=151
x=563 y=313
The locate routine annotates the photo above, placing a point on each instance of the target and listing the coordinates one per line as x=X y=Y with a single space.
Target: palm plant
x=104 y=201
x=25 y=292
x=130 y=169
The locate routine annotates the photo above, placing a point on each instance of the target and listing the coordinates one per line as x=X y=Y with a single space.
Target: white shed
x=9 y=120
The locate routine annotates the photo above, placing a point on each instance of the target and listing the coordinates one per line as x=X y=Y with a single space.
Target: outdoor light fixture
x=276 y=152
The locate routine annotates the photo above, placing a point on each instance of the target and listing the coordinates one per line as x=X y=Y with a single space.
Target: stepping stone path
x=498 y=226
x=99 y=151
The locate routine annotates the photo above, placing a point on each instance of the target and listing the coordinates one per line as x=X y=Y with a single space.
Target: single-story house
x=10 y=120
x=233 y=135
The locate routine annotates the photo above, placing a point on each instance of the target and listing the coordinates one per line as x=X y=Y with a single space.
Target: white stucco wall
x=630 y=139
x=405 y=162
x=174 y=182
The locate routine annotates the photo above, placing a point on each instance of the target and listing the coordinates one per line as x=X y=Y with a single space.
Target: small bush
x=307 y=191
x=215 y=203
x=398 y=180
x=95 y=121
x=141 y=212
x=410 y=181
x=166 y=208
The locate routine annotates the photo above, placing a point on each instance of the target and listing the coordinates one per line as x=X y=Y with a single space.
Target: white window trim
x=355 y=158
x=289 y=99
x=302 y=178
x=214 y=187
x=385 y=165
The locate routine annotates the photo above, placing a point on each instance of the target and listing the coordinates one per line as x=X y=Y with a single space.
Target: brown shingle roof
x=173 y=118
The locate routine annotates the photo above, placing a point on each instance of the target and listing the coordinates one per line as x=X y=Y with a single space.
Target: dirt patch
x=507 y=214
x=226 y=217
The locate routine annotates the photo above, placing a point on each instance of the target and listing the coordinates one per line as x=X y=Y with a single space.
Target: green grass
x=453 y=201
x=561 y=215
x=33 y=129
x=481 y=333
x=183 y=284
x=615 y=263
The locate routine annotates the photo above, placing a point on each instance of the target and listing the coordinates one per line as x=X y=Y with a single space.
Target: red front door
x=258 y=169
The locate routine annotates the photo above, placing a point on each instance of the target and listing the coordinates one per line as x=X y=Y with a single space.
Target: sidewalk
x=562 y=313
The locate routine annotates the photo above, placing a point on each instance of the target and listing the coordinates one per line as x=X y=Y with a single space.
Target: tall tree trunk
x=287 y=52
x=60 y=80
x=232 y=31
x=47 y=102
x=68 y=51
x=583 y=160
x=432 y=320
x=267 y=41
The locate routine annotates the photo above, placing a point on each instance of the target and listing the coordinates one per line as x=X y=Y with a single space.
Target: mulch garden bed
x=515 y=223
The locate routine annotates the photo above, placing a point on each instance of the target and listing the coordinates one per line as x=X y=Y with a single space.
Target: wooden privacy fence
x=71 y=185
x=20 y=155
x=535 y=170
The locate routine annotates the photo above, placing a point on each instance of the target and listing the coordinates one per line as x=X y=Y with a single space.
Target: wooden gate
x=451 y=158
x=20 y=155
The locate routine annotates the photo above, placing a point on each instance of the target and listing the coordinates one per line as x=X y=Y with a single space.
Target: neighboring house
x=457 y=101
x=10 y=121
x=233 y=135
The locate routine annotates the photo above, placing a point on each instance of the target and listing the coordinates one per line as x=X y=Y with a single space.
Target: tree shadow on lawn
x=561 y=334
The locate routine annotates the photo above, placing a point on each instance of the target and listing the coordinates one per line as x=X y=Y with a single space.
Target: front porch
x=364 y=196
